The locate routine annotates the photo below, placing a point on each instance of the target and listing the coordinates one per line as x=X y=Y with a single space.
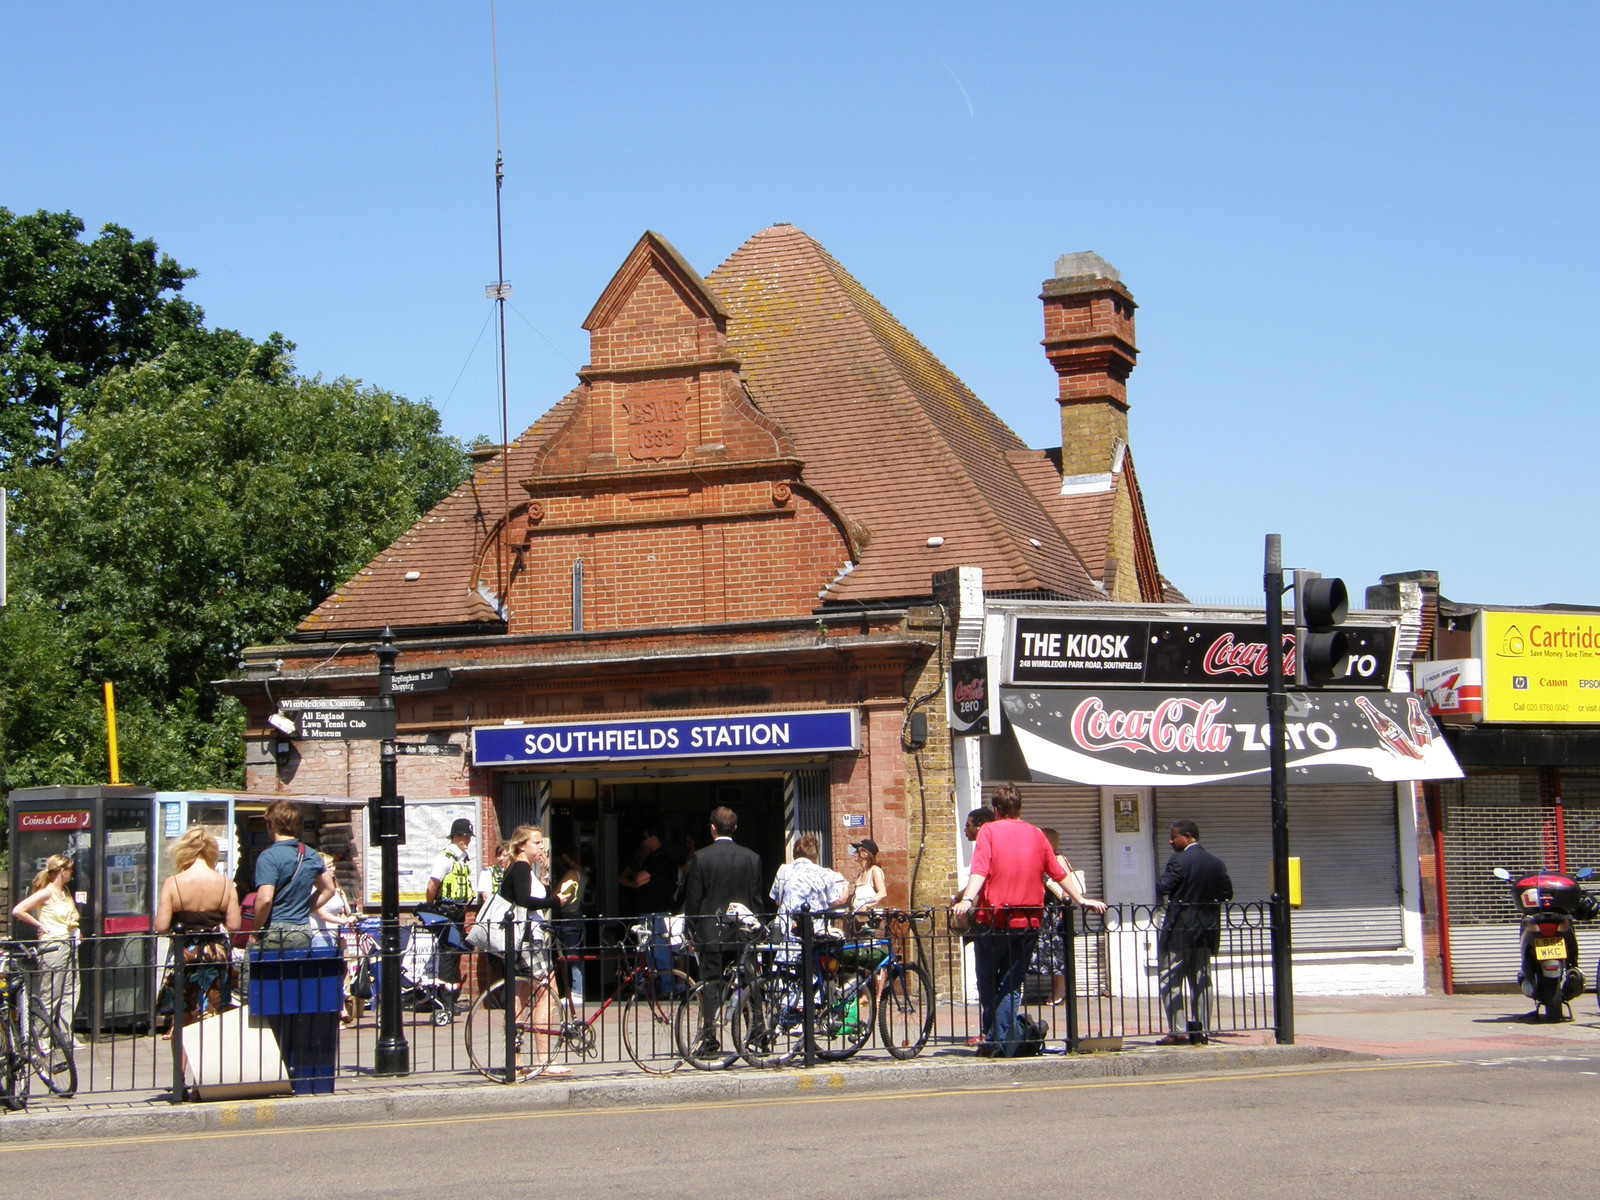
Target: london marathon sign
x=815 y=732
x=1177 y=653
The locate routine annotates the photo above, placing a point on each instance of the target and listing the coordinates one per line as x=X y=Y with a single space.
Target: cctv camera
x=282 y=724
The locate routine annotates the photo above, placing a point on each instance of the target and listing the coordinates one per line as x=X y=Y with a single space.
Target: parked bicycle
x=705 y=1025
x=647 y=995
x=31 y=1042
x=857 y=983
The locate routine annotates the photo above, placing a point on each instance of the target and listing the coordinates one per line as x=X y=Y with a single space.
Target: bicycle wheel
x=703 y=1025
x=14 y=1070
x=486 y=1037
x=50 y=1054
x=905 y=1009
x=844 y=1012
x=767 y=1025
x=647 y=1020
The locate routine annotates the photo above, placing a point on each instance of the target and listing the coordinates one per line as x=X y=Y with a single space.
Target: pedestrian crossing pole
x=1277 y=709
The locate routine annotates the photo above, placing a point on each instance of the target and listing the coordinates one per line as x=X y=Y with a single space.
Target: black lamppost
x=389 y=821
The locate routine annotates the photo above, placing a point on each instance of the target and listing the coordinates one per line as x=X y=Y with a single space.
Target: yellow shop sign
x=1539 y=667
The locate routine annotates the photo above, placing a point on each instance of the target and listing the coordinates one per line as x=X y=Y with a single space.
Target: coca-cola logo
x=1225 y=656
x=969 y=695
x=35 y=822
x=1175 y=725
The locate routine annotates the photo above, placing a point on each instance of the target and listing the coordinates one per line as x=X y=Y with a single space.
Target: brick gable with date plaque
x=683 y=501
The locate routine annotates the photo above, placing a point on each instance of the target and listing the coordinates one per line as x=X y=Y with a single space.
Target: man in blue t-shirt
x=291 y=881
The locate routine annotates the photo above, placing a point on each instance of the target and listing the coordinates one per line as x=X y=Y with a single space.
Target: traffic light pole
x=1277 y=710
x=393 y=1056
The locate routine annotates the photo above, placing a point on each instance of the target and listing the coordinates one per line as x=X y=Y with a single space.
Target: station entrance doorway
x=601 y=819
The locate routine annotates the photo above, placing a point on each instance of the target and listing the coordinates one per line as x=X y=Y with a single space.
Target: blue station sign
x=747 y=734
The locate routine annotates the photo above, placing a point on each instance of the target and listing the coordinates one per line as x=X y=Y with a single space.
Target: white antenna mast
x=500 y=292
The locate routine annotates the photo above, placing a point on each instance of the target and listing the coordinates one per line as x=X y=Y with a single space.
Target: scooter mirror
x=1502 y=873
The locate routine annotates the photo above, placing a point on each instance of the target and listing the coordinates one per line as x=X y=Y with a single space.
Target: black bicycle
x=31 y=1042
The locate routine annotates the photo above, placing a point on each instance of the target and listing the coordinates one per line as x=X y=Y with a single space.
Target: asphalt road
x=1501 y=1129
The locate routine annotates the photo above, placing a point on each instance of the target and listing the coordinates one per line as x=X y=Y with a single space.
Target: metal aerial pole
x=501 y=291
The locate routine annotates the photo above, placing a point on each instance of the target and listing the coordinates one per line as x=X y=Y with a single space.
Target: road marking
x=811 y=1097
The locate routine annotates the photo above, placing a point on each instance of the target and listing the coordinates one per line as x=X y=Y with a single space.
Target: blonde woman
x=50 y=908
x=523 y=886
x=199 y=907
x=333 y=926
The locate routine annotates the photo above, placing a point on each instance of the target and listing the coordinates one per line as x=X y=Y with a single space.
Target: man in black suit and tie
x=1194 y=884
x=721 y=874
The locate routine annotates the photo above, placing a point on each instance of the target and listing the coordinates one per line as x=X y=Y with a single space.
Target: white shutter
x=1074 y=813
x=1344 y=835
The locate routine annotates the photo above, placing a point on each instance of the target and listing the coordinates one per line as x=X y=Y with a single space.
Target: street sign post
x=435 y=679
x=339 y=718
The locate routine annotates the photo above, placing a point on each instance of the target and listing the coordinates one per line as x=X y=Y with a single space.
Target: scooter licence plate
x=1545 y=948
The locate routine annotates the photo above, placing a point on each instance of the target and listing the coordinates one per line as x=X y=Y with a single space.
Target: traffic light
x=1322 y=650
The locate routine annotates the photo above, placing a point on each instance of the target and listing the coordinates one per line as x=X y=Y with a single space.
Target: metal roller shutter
x=1074 y=813
x=1344 y=835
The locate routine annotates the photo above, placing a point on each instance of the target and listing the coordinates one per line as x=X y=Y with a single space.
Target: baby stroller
x=430 y=951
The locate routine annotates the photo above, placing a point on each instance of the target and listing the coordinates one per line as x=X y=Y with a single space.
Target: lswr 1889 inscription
x=658 y=420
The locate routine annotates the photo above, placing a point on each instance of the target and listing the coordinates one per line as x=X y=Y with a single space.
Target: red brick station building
x=707 y=576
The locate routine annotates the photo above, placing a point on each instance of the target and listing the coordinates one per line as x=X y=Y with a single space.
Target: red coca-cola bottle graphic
x=1388 y=730
x=1417 y=723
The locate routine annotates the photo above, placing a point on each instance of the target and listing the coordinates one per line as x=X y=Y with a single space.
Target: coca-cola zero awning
x=1127 y=738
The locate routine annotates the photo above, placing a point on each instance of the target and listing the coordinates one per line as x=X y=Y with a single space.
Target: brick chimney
x=1088 y=338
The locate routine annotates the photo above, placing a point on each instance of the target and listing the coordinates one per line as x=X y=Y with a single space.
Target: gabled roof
x=887 y=432
x=897 y=444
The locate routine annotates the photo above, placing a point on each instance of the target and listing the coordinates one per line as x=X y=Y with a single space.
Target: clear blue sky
x=1362 y=237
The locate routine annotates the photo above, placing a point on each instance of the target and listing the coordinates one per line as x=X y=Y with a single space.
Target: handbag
x=488 y=932
x=361 y=985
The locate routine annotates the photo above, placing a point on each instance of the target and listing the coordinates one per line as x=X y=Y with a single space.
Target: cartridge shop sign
x=1176 y=653
x=1131 y=738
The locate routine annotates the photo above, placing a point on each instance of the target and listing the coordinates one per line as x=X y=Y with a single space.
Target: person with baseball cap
x=870 y=887
x=450 y=891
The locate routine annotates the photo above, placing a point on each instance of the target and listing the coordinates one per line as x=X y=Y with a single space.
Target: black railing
x=306 y=1022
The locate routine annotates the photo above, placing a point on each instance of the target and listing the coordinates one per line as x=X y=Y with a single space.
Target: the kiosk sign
x=739 y=736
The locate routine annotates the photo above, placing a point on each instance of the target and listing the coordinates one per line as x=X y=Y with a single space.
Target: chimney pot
x=1085 y=264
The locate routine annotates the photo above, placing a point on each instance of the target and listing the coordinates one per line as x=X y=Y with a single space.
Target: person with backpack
x=291 y=881
x=1004 y=897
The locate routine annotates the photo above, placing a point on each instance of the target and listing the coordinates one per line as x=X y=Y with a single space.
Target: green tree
x=210 y=499
x=71 y=312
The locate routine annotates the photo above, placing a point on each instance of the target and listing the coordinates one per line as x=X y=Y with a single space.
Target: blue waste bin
x=299 y=994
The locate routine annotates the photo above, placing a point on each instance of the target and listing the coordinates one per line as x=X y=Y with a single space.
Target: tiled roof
x=892 y=439
x=886 y=431
x=443 y=549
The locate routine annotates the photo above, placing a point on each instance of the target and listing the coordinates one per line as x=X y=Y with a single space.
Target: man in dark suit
x=721 y=874
x=1194 y=884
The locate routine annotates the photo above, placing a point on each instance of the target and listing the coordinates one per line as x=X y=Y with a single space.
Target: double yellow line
x=809 y=1097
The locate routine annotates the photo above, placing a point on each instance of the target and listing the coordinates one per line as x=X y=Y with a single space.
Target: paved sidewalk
x=1443 y=1026
x=1329 y=1031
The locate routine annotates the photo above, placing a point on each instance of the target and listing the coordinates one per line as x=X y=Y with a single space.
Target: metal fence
x=280 y=1026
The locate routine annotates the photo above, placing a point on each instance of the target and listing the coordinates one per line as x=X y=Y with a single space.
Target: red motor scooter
x=1549 y=902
